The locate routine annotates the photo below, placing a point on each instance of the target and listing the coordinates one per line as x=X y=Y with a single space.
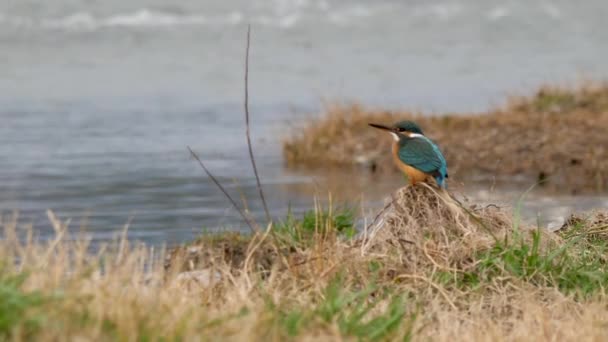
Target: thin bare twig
x=217 y=183
x=474 y=217
x=255 y=169
x=380 y=213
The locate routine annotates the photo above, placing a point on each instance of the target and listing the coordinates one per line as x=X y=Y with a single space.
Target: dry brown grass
x=431 y=231
x=405 y=277
x=557 y=135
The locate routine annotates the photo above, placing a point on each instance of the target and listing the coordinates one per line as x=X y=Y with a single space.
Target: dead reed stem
x=247 y=126
x=247 y=220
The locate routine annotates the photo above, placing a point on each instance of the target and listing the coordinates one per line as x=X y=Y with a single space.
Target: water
x=98 y=100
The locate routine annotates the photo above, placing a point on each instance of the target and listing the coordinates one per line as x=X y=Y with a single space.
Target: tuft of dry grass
x=428 y=268
x=556 y=137
x=431 y=230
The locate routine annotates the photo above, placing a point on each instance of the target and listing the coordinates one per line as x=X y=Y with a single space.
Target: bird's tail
x=441 y=182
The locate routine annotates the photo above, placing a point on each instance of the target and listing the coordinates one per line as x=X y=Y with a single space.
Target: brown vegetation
x=428 y=268
x=558 y=137
x=426 y=247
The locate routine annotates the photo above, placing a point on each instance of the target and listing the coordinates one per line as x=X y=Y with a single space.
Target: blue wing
x=422 y=154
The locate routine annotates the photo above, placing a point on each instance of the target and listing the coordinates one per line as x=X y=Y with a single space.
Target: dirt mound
x=426 y=227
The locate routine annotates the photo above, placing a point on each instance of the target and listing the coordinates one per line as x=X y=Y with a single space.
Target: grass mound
x=426 y=227
x=555 y=136
x=427 y=232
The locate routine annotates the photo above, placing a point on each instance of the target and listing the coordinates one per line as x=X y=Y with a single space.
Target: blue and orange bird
x=415 y=154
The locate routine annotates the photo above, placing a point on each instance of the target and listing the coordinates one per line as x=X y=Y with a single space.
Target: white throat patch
x=395 y=136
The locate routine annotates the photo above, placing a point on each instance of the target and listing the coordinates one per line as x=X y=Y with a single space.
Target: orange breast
x=413 y=175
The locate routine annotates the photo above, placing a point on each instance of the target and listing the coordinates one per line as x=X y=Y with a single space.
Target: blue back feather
x=421 y=153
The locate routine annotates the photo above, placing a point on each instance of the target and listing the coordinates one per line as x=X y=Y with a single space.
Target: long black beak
x=386 y=128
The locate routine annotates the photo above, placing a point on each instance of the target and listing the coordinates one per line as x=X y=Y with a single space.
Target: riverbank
x=426 y=268
x=556 y=137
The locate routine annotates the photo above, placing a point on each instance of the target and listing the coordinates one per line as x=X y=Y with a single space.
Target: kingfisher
x=415 y=154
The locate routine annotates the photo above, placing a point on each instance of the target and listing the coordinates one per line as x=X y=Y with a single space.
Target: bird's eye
x=401 y=129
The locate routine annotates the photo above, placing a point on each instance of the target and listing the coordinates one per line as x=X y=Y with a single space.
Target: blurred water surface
x=98 y=99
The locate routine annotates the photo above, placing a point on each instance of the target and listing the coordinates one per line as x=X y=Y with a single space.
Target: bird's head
x=401 y=129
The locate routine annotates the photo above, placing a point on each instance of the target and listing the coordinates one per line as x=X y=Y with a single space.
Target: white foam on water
x=289 y=20
x=235 y=18
x=442 y=11
x=498 y=13
x=140 y=18
x=286 y=21
x=145 y=17
x=345 y=16
x=80 y=20
x=282 y=14
x=551 y=10
x=229 y=19
x=289 y=6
